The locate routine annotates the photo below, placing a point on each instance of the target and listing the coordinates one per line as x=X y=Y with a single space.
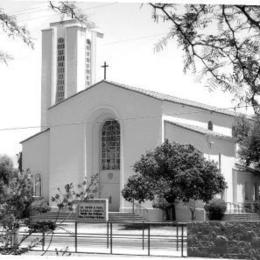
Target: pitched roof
x=39 y=133
x=251 y=168
x=165 y=97
x=202 y=130
x=159 y=96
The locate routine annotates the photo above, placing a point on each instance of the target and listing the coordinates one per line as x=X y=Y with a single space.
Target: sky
x=128 y=46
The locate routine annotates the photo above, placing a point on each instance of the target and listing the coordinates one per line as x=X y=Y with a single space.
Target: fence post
x=177 y=235
x=143 y=237
x=76 y=236
x=182 y=239
x=107 y=234
x=43 y=240
x=111 y=238
x=149 y=239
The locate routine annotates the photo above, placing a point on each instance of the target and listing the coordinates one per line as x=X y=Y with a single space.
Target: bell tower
x=68 y=62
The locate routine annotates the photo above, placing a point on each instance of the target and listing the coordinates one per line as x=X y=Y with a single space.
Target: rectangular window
x=37 y=185
x=60 y=70
x=88 y=62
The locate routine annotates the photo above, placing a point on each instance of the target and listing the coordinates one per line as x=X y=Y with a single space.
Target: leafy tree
x=38 y=206
x=68 y=198
x=247 y=133
x=174 y=172
x=137 y=188
x=20 y=161
x=222 y=40
x=16 y=196
x=6 y=170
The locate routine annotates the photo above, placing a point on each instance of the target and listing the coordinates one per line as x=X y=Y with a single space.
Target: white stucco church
x=103 y=127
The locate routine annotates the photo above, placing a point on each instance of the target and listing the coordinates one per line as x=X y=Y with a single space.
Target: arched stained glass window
x=110 y=145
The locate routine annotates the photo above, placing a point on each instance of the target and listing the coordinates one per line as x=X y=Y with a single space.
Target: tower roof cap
x=67 y=23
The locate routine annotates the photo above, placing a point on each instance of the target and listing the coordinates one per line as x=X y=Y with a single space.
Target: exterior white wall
x=36 y=159
x=66 y=159
x=56 y=33
x=81 y=57
x=247 y=186
x=72 y=151
x=199 y=117
x=75 y=137
x=202 y=142
x=75 y=59
x=227 y=165
x=93 y=38
x=46 y=75
x=74 y=35
x=71 y=45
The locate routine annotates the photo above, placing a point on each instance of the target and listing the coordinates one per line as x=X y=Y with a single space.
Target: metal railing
x=243 y=207
x=127 y=238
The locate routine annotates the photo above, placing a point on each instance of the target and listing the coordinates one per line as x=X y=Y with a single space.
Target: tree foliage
x=70 y=9
x=173 y=172
x=68 y=198
x=247 y=133
x=222 y=40
x=12 y=29
x=16 y=192
x=16 y=196
x=138 y=188
x=6 y=169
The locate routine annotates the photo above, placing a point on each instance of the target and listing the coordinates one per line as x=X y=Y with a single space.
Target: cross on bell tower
x=105 y=66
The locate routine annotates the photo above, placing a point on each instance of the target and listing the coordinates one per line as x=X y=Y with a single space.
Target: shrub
x=42 y=226
x=252 y=207
x=38 y=206
x=257 y=207
x=215 y=209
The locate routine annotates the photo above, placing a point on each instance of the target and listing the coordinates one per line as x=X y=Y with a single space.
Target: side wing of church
x=103 y=128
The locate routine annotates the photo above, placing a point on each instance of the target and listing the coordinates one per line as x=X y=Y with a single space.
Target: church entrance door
x=110 y=188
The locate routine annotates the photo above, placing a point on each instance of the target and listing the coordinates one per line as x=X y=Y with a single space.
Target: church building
x=104 y=127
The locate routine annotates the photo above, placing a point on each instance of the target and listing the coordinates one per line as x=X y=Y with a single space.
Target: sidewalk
x=99 y=257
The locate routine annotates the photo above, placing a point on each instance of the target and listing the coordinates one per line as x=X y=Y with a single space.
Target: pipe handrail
x=243 y=207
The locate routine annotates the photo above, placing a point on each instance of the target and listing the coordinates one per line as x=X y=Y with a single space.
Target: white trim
x=102 y=113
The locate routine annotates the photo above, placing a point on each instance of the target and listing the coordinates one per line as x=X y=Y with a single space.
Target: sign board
x=95 y=210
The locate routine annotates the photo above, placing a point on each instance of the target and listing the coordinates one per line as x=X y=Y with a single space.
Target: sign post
x=92 y=211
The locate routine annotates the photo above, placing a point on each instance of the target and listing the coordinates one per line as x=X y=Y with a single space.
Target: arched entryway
x=110 y=163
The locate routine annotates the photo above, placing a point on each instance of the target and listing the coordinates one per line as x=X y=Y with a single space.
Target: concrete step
x=125 y=217
x=70 y=216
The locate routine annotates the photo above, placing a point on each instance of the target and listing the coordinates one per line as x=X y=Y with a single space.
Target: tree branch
x=71 y=10
x=252 y=21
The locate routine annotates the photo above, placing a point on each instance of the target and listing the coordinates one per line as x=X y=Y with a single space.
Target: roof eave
x=203 y=133
x=35 y=135
x=122 y=86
